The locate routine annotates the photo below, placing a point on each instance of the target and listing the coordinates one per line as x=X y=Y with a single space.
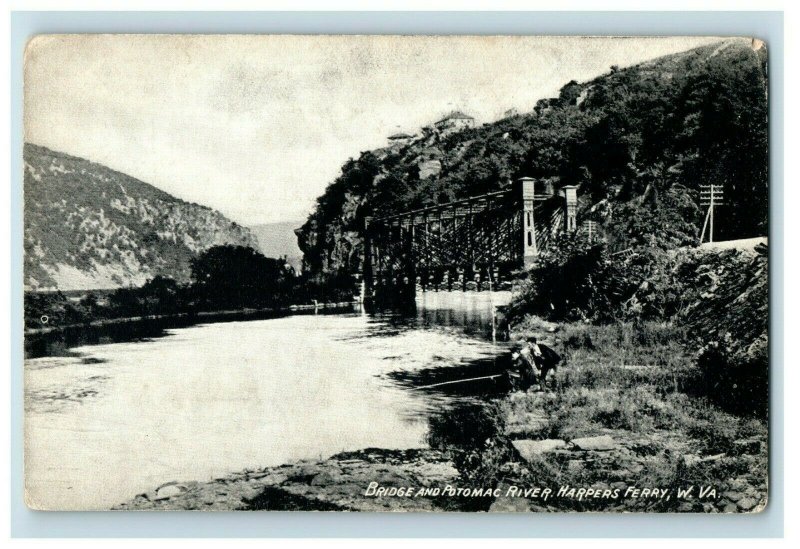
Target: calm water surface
x=114 y=420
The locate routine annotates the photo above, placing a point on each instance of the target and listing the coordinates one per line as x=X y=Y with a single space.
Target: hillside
x=638 y=141
x=89 y=227
x=279 y=240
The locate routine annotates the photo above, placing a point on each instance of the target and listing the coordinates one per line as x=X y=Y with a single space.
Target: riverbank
x=59 y=340
x=202 y=315
x=632 y=398
x=624 y=420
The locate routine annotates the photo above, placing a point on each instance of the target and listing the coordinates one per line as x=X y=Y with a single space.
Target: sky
x=257 y=126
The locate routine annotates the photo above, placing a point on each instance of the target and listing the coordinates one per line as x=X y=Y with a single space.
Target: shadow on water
x=485 y=377
x=467 y=316
x=60 y=342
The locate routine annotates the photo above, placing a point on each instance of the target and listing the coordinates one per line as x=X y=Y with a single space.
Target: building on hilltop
x=453 y=122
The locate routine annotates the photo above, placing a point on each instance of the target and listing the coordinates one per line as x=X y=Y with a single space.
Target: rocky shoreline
x=335 y=484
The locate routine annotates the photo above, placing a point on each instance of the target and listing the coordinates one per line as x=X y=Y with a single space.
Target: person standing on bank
x=545 y=359
x=526 y=365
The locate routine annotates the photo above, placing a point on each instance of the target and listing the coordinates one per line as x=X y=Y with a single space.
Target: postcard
x=507 y=274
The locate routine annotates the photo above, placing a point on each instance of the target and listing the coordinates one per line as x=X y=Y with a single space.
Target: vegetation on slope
x=639 y=141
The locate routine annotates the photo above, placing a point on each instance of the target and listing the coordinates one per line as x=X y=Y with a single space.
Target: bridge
x=471 y=244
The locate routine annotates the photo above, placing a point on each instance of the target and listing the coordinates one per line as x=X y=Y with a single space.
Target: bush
x=473 y=437
x=581 y=280
x=573 y=280
x=737 y=380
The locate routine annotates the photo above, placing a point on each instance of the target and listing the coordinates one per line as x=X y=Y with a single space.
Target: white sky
x=257 y=126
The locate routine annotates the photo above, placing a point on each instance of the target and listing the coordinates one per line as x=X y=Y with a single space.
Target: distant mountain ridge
x=90 y=227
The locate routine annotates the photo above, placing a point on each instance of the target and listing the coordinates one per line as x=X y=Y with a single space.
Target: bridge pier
x=570 y=208
x=368 y=283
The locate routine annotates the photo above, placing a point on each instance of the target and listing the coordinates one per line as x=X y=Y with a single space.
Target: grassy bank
x=635 y=388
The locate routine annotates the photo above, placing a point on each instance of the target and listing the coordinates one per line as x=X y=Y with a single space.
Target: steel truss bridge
x=469 y=244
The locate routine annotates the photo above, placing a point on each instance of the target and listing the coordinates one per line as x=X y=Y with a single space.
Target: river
x=112 y=420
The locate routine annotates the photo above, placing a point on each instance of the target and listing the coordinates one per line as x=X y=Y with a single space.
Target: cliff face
x=650 y=134
x=88 y=226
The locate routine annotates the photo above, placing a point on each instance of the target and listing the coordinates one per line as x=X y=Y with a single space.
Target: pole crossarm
x=711 y=196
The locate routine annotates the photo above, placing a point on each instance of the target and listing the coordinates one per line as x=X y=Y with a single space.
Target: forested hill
x=639 y=141
x=88 y=226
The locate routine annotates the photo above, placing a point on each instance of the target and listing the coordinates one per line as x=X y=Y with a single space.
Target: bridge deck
x=457 y=208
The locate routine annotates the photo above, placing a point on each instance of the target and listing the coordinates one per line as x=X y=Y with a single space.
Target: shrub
x=573 y=280
x=473 y=437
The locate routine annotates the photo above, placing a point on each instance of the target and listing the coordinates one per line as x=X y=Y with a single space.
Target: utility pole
x=711 y=196
x=590 y=227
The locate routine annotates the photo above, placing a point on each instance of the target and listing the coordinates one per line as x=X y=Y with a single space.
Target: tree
x=162 y=295
x=237 y=276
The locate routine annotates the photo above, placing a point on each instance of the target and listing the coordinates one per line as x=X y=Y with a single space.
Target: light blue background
x=765 y=25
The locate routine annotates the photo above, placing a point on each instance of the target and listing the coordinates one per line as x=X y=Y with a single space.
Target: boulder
x=510 y=505
x=733 y=496
x=747 y=446
x=504 y=504
x=600 y=443
x=530 y=448
x=167 y=491
x=575 y=466
x=730 y=508
x=326 y=478
x=745 y=504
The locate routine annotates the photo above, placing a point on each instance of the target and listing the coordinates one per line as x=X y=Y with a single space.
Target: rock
x=733 y=496
x=575 y=466
x=510 y=505
x=691 y=459
x=747 y=446
x=429 y=168
x=530 y=448
x=730 y=508
x=269 y=479
x=318 y=485
x=167 y=491
x=745 y=504
x=739 y=483
x=326 y=478
x=600 y=443
x=505 y=504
